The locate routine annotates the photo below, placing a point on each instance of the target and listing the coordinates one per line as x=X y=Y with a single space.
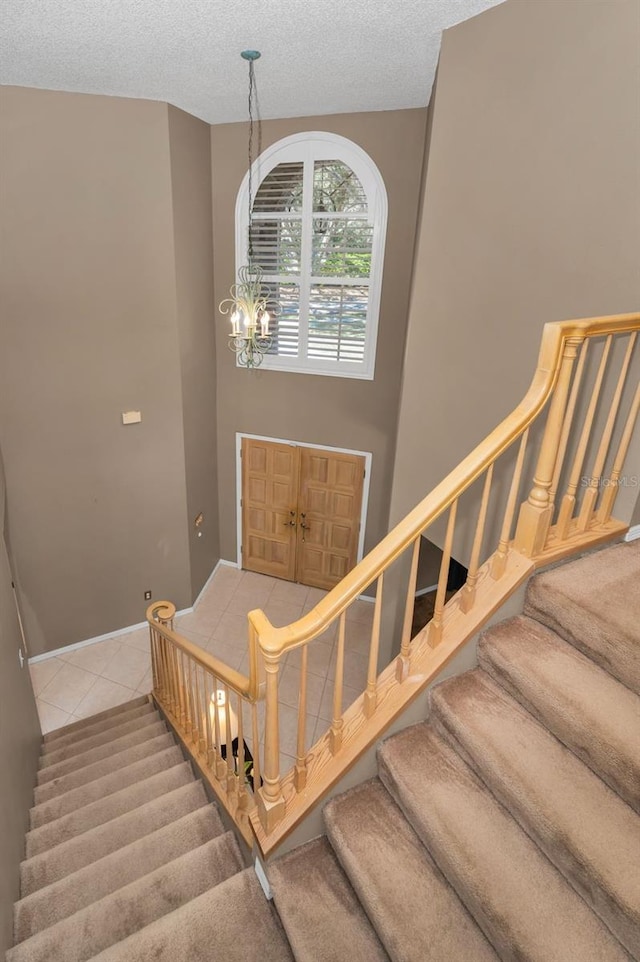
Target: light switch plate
x=131 y=417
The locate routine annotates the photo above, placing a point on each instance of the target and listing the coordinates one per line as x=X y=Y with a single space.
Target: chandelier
x=249 y=337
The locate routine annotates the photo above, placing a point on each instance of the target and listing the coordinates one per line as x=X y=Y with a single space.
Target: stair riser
x=113 y=918
x=163 y=754
x=94 y=742
x=77 y=853
x=93 y=729
x=621 y=774
x=94 y=719
x=49 y=905
x=91 y=816
x=520 y=901
x=110 y=765
x=593 y=871
x=74 y=764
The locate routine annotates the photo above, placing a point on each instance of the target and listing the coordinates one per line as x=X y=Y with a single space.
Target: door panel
x=329 y=505
x=270 y=479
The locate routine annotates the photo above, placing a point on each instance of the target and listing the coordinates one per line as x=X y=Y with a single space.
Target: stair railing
x=213 y=708
x=570 y=434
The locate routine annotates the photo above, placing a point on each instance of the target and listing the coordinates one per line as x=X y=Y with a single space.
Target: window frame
x=311 y=146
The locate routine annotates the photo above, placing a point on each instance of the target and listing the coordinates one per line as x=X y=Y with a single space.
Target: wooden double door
x=300 y=511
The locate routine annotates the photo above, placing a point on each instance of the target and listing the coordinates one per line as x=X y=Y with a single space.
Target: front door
x=300 y=511
x=270 y=474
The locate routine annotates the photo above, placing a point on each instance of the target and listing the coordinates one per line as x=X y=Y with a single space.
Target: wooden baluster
x=335 y=733
x=568 y=420
x=255 y=730
x=371 y=694
x=198 y=704
x=300 y=778
x=165 y=671
x=536 y=513
x=189 y=700
x=435 y=625
x=468 y=595
x=591 y=494
x=611 y=490
x=208 y=688
x=270 y=798
x=499 y=560
x=175 y=681
x=220 y=766
x=154 y=658
x=243 y=797
x=182 y=686
x=568 y=503
x=403 y=661
x=228 y=735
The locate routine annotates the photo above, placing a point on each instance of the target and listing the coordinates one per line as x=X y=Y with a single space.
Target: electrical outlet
x=147 y=596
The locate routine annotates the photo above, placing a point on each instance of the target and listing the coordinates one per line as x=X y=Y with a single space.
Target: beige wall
x=19 y=742
x=190 y=145
x=531 y=213
x=331 y=411
x=88 y=282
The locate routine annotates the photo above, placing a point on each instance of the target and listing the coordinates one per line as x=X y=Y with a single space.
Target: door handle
x=305 y=527
x=289 y=524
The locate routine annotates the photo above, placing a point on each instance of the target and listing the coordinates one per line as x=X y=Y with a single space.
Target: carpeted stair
x=506 y=827
x=126 y=859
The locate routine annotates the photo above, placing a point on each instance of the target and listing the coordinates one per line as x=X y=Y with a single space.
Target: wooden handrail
x=161 y=613
x=280 y=802
x=277 y=641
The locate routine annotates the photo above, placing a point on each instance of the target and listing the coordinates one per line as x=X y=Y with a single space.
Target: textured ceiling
x=318 y=56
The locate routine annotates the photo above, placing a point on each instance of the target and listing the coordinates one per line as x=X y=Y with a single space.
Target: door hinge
x=240 y=502
x=364 y=473
x=241 y=549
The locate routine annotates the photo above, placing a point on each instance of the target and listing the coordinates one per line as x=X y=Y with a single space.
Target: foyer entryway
x=301 y=510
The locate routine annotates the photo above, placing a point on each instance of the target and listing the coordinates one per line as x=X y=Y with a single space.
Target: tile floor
x=76 y=684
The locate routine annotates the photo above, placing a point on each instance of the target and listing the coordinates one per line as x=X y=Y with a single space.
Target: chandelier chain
x=250 y=105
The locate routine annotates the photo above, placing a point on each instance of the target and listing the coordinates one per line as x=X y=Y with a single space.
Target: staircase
x=504 y=828
x=126 y=859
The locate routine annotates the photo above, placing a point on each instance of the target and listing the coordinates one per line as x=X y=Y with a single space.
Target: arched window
x=319 y=222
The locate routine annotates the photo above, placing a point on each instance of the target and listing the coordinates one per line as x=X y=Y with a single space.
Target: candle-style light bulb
x=264 y=324
x=235 y=322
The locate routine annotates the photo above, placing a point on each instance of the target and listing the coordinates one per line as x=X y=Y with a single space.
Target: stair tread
x=98 y=739
x=594 y=603
x=585 y=829
x=75 y=744
x=78 y=852
x=105 y=766
x=132 y=737
x=92 y=727
x=103 y=810
x=232 y=920
x=318 y=907
x=93 y=719
x=518 y=898
x=48 y=905
x=121 y=913
x=404 y=894
x=591 y=712
x=163 y=756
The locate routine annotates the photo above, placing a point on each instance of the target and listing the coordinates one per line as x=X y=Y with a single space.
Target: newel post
x=536 y=512
x=270 y=799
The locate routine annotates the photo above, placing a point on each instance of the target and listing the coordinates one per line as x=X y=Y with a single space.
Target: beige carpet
x=505 y=828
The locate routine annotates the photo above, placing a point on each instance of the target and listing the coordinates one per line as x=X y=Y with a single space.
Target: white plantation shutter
x=318 y=231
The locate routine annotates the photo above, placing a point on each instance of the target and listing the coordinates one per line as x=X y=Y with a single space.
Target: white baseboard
x=633 y=533
x=426 y=591
x=262 y=877
x=126 y=631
